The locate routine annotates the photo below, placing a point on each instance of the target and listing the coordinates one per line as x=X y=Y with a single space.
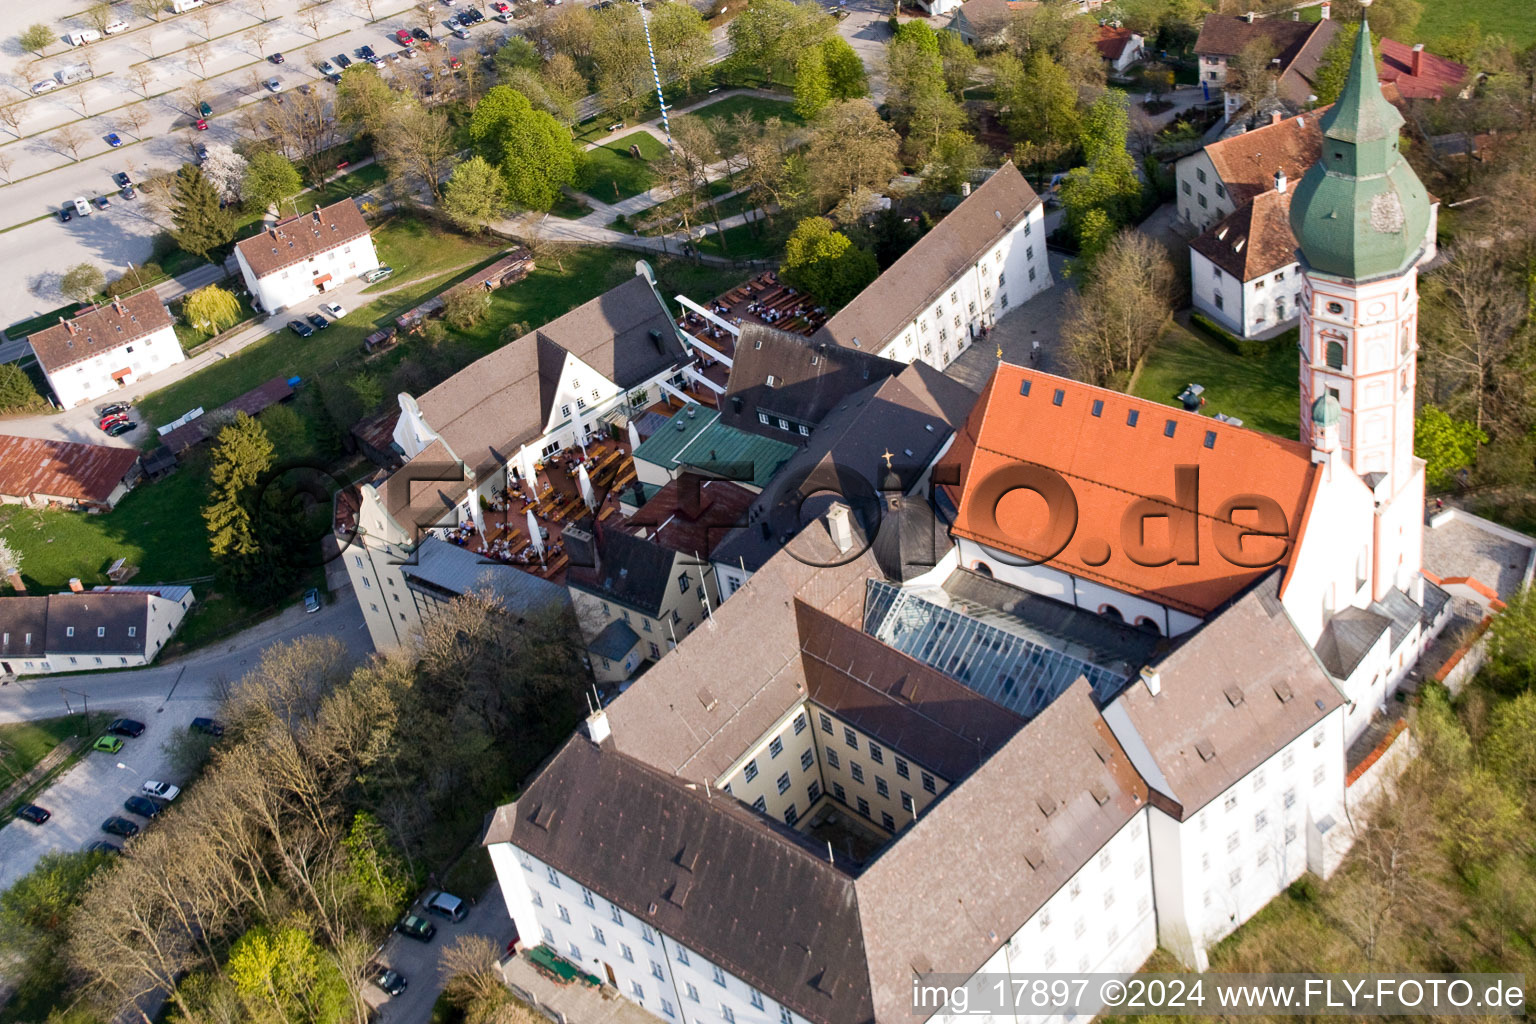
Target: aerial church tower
x=1363 y=222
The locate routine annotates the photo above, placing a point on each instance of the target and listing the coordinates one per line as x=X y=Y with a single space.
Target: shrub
x=1248 y=348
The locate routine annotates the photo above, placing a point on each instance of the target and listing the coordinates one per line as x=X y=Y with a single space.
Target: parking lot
x=419 y=961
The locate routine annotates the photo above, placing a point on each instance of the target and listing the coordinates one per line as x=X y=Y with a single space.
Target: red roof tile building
x=86 y=476
x=104 y=349
x=1417 y=74
x=304 y=256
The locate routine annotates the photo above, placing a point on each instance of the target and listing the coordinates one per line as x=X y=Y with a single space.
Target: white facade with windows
x=317 y=275
x=113 y=370
x=1245 y=308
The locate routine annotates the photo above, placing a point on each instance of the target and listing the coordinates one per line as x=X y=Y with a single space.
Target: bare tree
x=5 y=166
x=203 y=19
x=303 y=128
x=148 y=38
x=142 y=75
x=78 y=92
x=366 y=7
x=260 y=8
x=257 y=37
x=99 y=15
x=416 y=145
x=10 y=116
x=1124 y=305
x=135 y=117
x=312 y=18
x=473 y=966
x=70 y=138
x=1474 y=310
x=193 y=96
x=198 y=52
x=425 y=13
x=149 y=8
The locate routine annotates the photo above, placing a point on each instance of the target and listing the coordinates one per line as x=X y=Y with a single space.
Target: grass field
x=1508 y=18
x=418 y=248
x=23 y=744
x=743 y=242
x=761 y=109
x=1259 y=391
x=611 y=174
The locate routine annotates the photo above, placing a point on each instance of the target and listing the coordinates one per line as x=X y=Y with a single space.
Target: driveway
x=419 y=961
x=1038 y=321
x=867 y=31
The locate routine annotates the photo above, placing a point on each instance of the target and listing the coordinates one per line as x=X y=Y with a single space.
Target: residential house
x=981 y=23
x=1416 y=74
x=783 y=385
x=103 y=350
x=1120 y=47
x=108 y=627
x=982 y=261
x=487 y=427
x=1296 y=47
x=1215 y=181
x=301 y=257
x=81 y=476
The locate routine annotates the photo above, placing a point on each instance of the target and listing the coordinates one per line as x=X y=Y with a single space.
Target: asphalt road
x=419 y=961
x=162 y=697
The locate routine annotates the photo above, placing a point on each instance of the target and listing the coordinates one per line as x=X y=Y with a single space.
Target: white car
x=46 y=85
x=333 y=310
x=273 y=85
x=328 y=69
x=82 y=207
x=161 y=790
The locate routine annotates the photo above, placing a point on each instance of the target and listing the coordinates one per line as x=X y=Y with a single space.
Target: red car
x=202 y=124
x=107 y=422
x=404 y=37
x=500 y=8
x=455 y=63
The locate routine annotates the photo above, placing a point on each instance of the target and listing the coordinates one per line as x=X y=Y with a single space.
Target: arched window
x=1146 y=625
x=1335 y=355
x=1110 y=612
x=1407 y=333
x=982 y=569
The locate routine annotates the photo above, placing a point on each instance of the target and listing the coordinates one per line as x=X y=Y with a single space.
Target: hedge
x=1248 y=348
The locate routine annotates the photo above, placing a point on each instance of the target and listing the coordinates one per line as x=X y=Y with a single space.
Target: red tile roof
x=1112 y=41
x=1108 y=464
x=1435 y=76
x=1254 y=240
x=95 y=330
x=692 y=515
x=62 y=469
x=298 y=238
x=1247 y=163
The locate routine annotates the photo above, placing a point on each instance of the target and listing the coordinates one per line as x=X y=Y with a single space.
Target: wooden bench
x=555 y=566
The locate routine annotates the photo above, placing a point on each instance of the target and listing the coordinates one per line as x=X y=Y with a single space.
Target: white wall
x=1196 y=179
x=92 y=378
x=295 y=284
x=1324 y=567
x=162 y=620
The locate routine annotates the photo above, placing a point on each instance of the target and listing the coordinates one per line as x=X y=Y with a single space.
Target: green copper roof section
x=1360 y=212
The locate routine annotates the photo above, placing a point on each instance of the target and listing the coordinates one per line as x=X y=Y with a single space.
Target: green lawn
x=761 y=109
x=743 y=242
x=22 y=328
x=1508 y=18
x=23 y=744
x=1262 y=392
x=611 y=173
x=418 y=248
x=668 y=214
x=158 y=527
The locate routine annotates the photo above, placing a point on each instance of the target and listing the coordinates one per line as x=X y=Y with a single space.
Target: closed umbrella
x=581 y=434
x=533 y=535
x=634 y=436
x=588 y=495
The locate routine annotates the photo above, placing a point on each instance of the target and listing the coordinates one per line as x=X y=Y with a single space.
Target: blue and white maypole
x=645 y=23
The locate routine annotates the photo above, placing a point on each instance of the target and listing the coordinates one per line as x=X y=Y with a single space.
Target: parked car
x=102 y=202
x=33 y=813
x=143 y=806
x=312 y=599
x=46 y=85
x=499 y=7
x=114 y=140
x=122 y=178
x=125 y=727
x=207 y=726
x=120 y=428
x=418 y=928
x=204 y=109
x=454 y=63
x=202 y=152
x=202 y=124
x=328 y=69
x=317 y=321
x=113 y=410
x=447 y=906
x=111 y=420
x=475 y=16
x=67 y=213
x=120 y=827
x=81 y=206
x=115 y=27
x=300 y=328
x=128 y=192
x=403 y=37
x=458 y=30
x=365 y=52
x=377 y=274
x=342 y=61
x=107 y=744
x=160 y=790
x=273 y=85
x=390 y=981
x=102 y=846
x=277 y=58
x=333 y=309
x=422 y=35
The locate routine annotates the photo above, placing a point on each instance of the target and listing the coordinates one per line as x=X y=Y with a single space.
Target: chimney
x=1327 y=10
x=75 y=585
x=1248 y=17
x=16 y=584
x=1275 y=117
x=1295 y=15
x=318 y=219
x=1418 y=59
x=273 y=232
x=69 y=325
x=1280 y=180
x=840 y=525
x=117 y=305
x=1153 y=679
x=965 y=188
x=596 y=727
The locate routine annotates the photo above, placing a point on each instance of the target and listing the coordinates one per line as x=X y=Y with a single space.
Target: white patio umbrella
x=588 y=495
x=530 y=476
x=581 y=434
x=634 y=436
x=533 y=535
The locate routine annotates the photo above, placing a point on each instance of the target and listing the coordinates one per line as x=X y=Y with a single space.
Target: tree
x=1469 y=329
x=10 y=116
x=99 y=15
x=257 y=37
x=466 y=307
x=225 y=171
x=1446 y=445
x=16 y=389
x=143 y=75
x=378 y=876
x=959 y=62
x=1394 y=19
x=1037 y=101
x=201 y=226
x=1251 y=74
x=851 y=148
x=1123 y=306
x=269 y=178
x=1511 y=662
x=564 y=86
x=70 y=138
x=682 y=43
x=36 y=913
x=10 y=558
x=417 y=146
x=533 y=151
x=823 y=262
x=813 y=86
x=242 y=454
x=475 y=985
x=621 y=64
x=475 y=194
x=211 y=309
x=149 y=8
x=914 y=69
x=845 y=69
x=199 y=53
x=1107 y=182
x=365 y=100
x=37 y=38
x=83 y=282
x=517 y=54
x=304 y=127
x=286 y=974
x=770 y=35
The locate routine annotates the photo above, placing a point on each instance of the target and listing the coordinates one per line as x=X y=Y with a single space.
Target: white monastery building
x=106 y=349
x=304 y=256
x=1064 y=739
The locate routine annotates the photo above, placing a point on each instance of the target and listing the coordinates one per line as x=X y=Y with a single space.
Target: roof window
x=1024 y=388
x=1169 y=427
x=1131 y=418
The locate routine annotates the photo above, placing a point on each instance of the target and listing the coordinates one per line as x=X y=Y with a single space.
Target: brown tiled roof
x=23 y=618
x=1298 y=82
x=1436 y=76
x=489 y=409
x=86 y=613
x=1254 y=240
x=906 y=705
x=1298 y=45
x=810 y=378
x=631 y=571
x=100 y=330
x=1112 y=41
x=1109 y=462
x=987 y=856
x=296 y=239
x=62 y=469
x=1232 y=694
x=1247 y=163
x=745 y=892
x=912 y=283
x=426 y=489
x=692 y=514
